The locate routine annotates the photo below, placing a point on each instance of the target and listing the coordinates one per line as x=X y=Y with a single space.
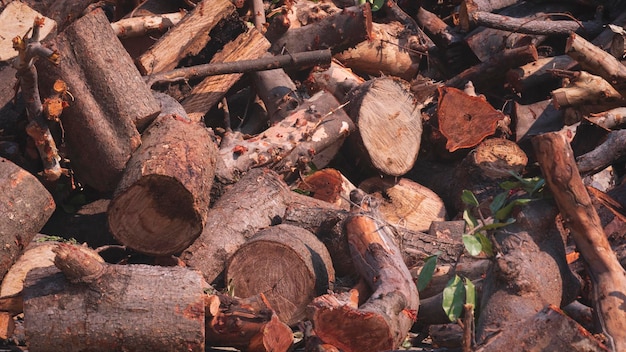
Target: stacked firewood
x=278 y=175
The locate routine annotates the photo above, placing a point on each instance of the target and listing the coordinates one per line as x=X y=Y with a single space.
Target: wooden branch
x=491 y=72
x=537 y=73
x=585 y=89
x=167 y=180
x=312 y=133
x=596 y=61
x=337 y=79
x=443 y=35
x=290 y=61
x=186 y=38
x=383 y=321
x=140 y=26
x=556 y=159
x=610 y=151
x=470 y=6
x=534 y=25
x=247 y=46
x=112 y=307
x=610 y=119
x=29 y=49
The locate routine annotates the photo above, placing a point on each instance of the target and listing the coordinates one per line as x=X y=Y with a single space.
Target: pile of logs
x=274 y=176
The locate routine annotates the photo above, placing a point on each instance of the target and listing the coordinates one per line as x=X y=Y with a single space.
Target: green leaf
x=498 y=202
x=469 y=218
x=509 y=185
x=470 y=292
x=453 y=298
x=468 y=198
x=497 y=225
x=485 y=244
x=472 y=245
x=377 y=5
x=506 y=211
x=426 y=274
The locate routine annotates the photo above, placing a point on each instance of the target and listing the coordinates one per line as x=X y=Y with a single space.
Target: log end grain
x=389 y=123
x=288 y=264
x=156 y=216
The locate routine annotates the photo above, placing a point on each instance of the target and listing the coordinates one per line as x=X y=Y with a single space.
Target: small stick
x=296 y=60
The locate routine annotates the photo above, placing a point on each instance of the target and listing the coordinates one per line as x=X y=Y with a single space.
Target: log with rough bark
x=548 y=330
x=186 y=38
x=160 y=205
x=389 y=125
x=246 y=324
x=387 y=53
x=608 y=277
x=247 y=46
x=277 y=91
x=91 y=305
x=285 y=263
x=256 y=201
x=338 y=32
x=111 y=101
x=25 y=205
x=529 y=251
x=383 y=321
x=311 y=134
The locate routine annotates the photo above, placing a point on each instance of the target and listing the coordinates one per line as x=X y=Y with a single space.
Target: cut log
x=25 y=205
x=278 y=93
x=537 y=73
x=385 y=110
x=161 y=204
x=247 y=46
x=536 y=118
x=406 y=204
x=611 y=150
x=336 y=79
x=256 y=201
x=110 y=100
x=529 y=251
x=16 y=19
x=311 y=134
x=465 y=120
x=287 y=264
x=337 y=32
x=384 y=320
x=95 y=306
x=548 y=330
x=557 y=163
x=186 y=38
x=585 y=89
x=247 y=324
x=36 y=255
x=387 y=53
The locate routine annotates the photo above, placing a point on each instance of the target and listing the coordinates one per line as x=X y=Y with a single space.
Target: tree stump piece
x=96 y=306
x=25 y=205
x=389 y=124
x=161 y=204
x=110 y=99
x=288 y=264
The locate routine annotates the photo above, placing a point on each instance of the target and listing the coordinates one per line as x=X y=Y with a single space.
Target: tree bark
x=529 y=251
x=548 y=330
x=556 y=160
x=385 y=110
x=26 y=206
x=287 y=264
x=111 y=101
x=186 y=38
x=161 y=204
x=338 y=32
x=312 y=133
x=95 y=306
x=383 y=321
